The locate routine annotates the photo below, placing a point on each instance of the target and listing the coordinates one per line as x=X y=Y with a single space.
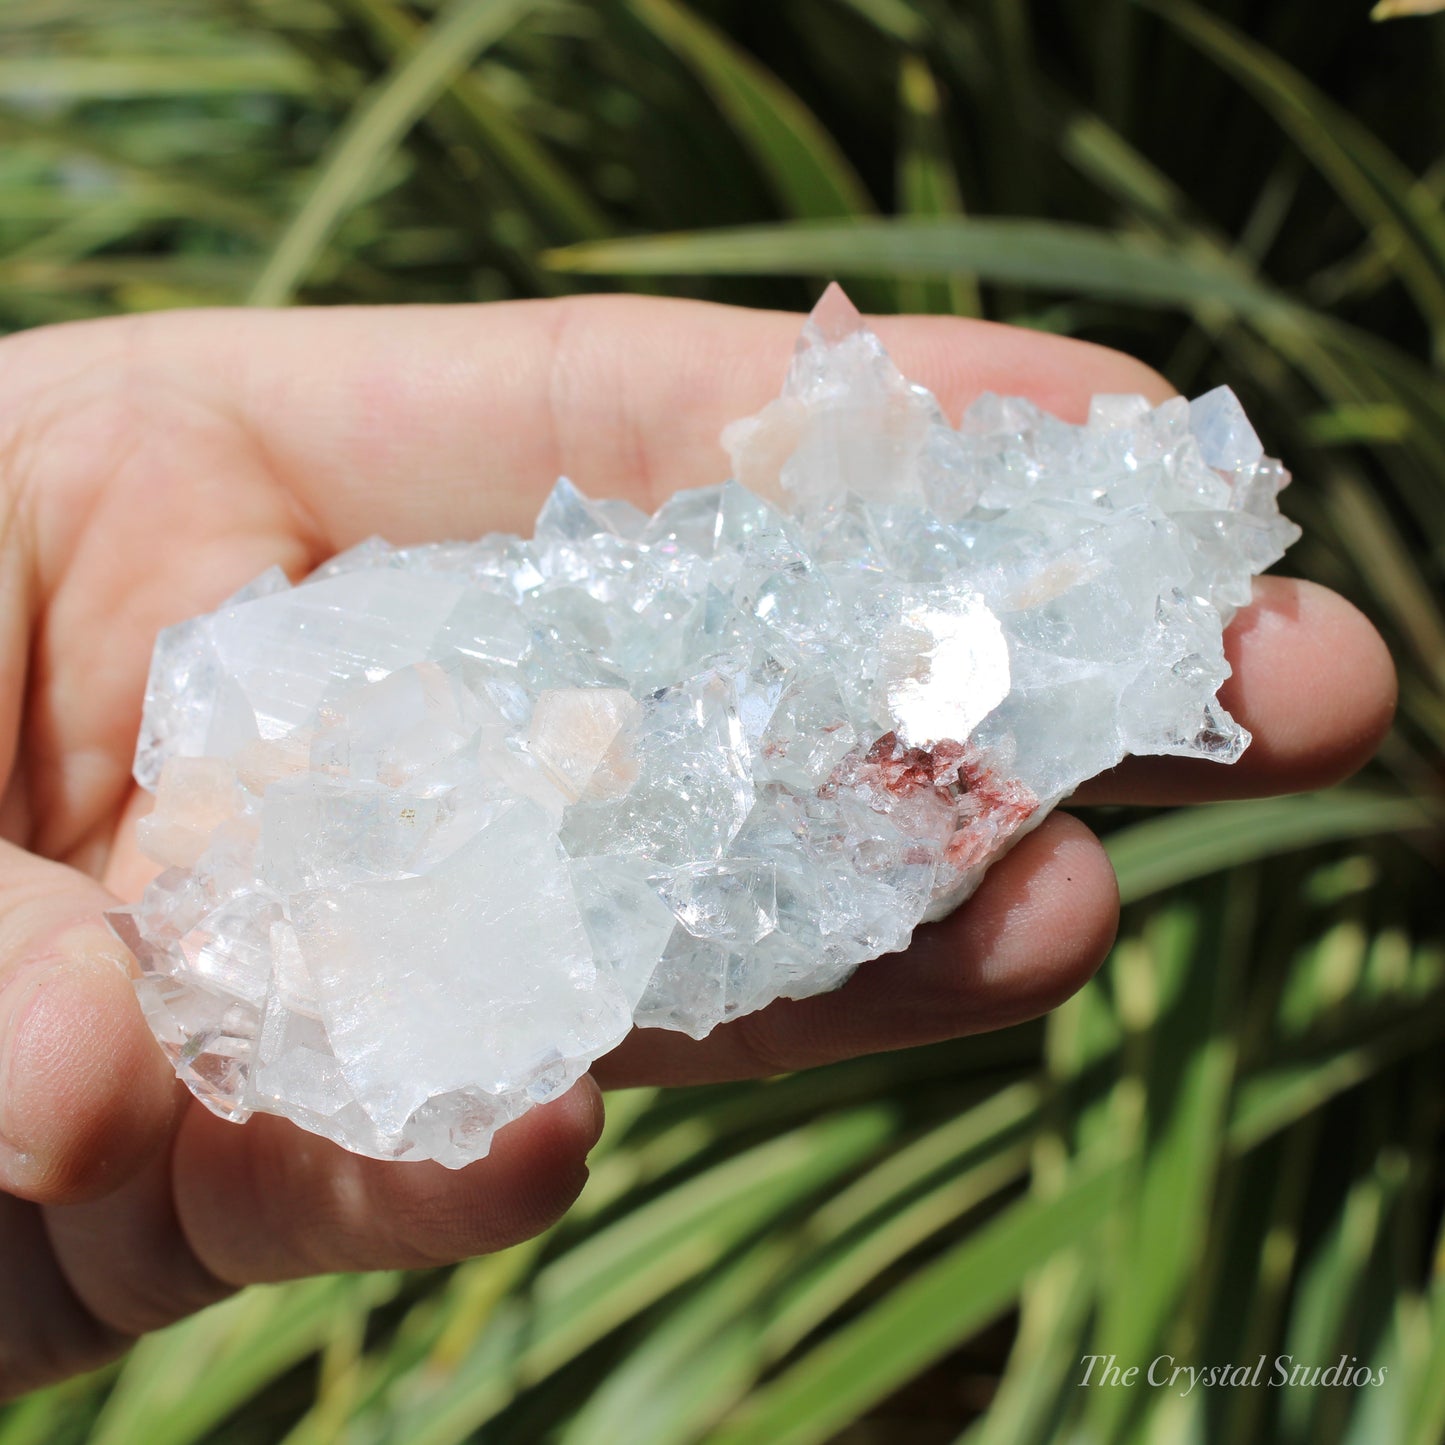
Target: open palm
x=150 y=466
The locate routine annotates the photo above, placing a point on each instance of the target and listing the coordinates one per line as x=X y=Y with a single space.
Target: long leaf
x=87 y=77
x=1161 y=1227
x=916 y=1323
x=373 y=131
x=1287 y=1092
x=1428 y=1419
x=630 y=1264
x=177 y=1385
x=1166 y=851
x=531 y=168
x=1369 y=178
x=1057 y=256
x=927 y=184
x=809 y=174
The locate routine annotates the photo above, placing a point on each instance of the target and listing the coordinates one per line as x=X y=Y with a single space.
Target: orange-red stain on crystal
x=987 y=806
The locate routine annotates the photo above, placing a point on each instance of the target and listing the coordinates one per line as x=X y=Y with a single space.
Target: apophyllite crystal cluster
x=441 y=824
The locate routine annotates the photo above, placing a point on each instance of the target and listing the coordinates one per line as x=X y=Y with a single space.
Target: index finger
x=436 y=420
x=426 y=422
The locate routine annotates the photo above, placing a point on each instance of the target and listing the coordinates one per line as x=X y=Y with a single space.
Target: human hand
x=149 y=466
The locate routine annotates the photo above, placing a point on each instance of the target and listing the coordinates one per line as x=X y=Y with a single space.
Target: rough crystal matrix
x=442 y=823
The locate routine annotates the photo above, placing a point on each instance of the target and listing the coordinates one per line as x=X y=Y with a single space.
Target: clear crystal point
x=833 y=318
x=1226 y=439
x=441 y=824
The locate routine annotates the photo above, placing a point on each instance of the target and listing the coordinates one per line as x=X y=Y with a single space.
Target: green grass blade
x=1366 y=174
x=664 y=1389
x=1378 y=422
x=1288 y=1091
x=1044 y=1362
x=845 y=1273
x=1011 y=102
x=1371 y=266
x=1379 y=553
x=1001 y=1117
x=1181 y=1061
x=59 y=1415
x=176 y=1386
x=1106 y=157
x=608 y=1278
x=700 y=1358
x=928 y=186
x=1358 y=372
x=1166 y=851
x=1056 y=256
x=1428 y=1406
x=931 y=1311
x=898 y=19
x=58 y=140
x=373 y=131
x=1353 y=367
x=1273 y=1217
x=97 y=77
x=530 y=167
x=1327 y=1291
x=809 y=174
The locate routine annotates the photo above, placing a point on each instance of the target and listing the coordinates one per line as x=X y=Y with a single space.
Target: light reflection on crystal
x=442 y=822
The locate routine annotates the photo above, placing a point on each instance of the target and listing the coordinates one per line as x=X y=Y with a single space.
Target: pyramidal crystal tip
x=833 y=319
x=838 y=351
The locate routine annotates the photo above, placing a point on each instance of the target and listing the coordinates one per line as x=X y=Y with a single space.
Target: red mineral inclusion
x=986 y=807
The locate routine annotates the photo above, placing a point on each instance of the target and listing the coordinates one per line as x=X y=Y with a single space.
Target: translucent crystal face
x=440 y=824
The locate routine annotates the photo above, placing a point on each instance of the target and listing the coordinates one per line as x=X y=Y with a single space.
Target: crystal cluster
x=440 y=824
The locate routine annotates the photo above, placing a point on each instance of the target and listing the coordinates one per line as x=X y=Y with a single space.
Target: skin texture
x=149 y=466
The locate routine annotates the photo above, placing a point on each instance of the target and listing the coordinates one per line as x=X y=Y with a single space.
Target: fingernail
x=92 y=941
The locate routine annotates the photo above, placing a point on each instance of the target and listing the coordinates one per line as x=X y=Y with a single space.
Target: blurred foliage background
x=1230 y=1144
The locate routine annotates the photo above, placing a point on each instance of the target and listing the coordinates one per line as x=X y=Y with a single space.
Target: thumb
x=86 y=1097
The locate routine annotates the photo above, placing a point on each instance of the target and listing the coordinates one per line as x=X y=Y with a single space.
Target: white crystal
x=1226 y=439
x=442 y=823
x=942 y=670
